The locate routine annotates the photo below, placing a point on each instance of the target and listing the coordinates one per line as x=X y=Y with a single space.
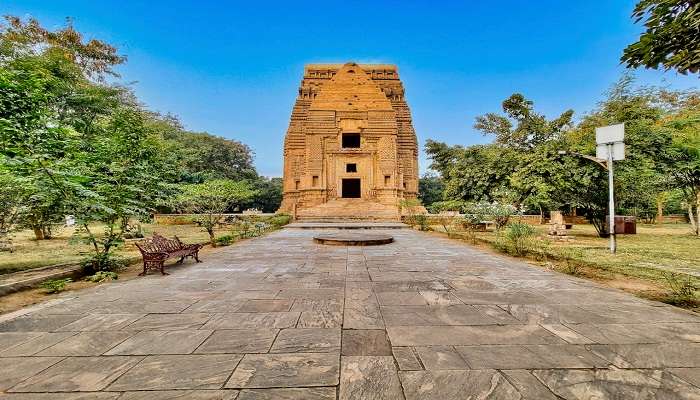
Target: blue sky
x=232 y=68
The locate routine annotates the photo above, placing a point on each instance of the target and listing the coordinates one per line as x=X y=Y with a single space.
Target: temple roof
x=351 y=89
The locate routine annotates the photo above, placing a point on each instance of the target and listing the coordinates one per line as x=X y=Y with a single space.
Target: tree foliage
x=430 y=189
x=671 y=39
x=211 y=200
x=74 y=143
x=522 y=127
x=524 y=166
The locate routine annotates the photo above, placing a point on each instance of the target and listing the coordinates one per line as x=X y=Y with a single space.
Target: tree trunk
x=38 y=232
x=697 y=214
x=691 y=217
x=211 y=237
x=659 y=211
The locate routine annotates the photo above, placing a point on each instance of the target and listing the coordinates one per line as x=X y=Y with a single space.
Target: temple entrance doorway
x=351 y=189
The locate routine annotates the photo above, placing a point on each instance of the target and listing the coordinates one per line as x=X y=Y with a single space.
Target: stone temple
x=350 y=151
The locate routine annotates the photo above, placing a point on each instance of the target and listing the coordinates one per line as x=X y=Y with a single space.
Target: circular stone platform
x=353 y=239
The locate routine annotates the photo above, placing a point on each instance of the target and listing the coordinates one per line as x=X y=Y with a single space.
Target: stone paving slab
x=280 y=317
x=78 y=374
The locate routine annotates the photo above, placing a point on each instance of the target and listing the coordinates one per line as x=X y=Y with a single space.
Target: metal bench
x=158 y=249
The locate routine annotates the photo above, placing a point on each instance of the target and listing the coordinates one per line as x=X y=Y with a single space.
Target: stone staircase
x=337 y=210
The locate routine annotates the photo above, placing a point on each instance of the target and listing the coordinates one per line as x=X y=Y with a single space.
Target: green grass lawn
x=62 y=249
x=642 y=265
x=654 y=249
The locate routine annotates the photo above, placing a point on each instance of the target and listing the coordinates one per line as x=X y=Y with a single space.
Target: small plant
x=225 y=240
x=541 y=249
x=572 y=260
x=102 y=276
x=499 y=213
x=683 y=287
x=133 y=231
x=411 y=209
x=517 y=237
x=103 y=262
x=55 y=285
x=260 y=228
x=280 y=220
x=244 y=228
x=448 y=224
x=422 y=222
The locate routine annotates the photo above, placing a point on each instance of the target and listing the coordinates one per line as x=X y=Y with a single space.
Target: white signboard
x=610 y=134
x=618 y=150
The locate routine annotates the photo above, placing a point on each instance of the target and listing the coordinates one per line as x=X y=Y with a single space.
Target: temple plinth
x=350 y=151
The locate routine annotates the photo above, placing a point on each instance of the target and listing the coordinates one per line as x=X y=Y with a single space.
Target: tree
x=686 y=164
x=268 y=195
x=47 y=101
x=202 y=156
x=211 y=200
x=671 y=39
x=540 y=177
x=474 y=172
x=94 y=57
x=531 y=129
x=12 y=197
x=123 y=176
x=442 y=156
x=430 y=189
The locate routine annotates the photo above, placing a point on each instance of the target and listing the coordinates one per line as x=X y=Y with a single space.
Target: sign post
x=611 y=203
x=610 y=147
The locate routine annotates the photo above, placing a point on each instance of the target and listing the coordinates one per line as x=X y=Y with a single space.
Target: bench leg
x=162 y=268
x=144 y=269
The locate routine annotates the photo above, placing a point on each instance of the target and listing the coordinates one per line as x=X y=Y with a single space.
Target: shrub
x=225 y=240
x=498 y=212
x=541 y=249
x=260 y=228
x=411 y=209
x=244 y=228
x=102 y=276
x=572 y=260
x=103 y=262
x=133 y=232
x=55 y=285
x=422 y=221
x=280 y=220
x=517 y=236
x=683 y=287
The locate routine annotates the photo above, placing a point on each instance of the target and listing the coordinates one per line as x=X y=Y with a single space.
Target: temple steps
x=349 y=210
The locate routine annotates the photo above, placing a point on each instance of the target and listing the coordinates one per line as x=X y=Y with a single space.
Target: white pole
x=611 y=194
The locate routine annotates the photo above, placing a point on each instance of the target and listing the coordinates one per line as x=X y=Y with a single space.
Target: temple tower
x=350 y=151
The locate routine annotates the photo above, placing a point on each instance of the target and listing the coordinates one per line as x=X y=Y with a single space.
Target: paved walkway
x=423 y=318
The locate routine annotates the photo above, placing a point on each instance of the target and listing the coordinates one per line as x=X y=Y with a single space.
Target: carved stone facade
x=350 y=141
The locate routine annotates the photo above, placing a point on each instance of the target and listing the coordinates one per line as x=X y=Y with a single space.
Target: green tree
x=430 y=189
x=45 y=97
x=685 y=171
x=80 y=145
x=202 y=156
x=531 y=129
x=442 y=156
x=123 y=177
x=474 y=172
x=12 y=198
x=211 y=200
x=268 y=195
x=671 y=39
